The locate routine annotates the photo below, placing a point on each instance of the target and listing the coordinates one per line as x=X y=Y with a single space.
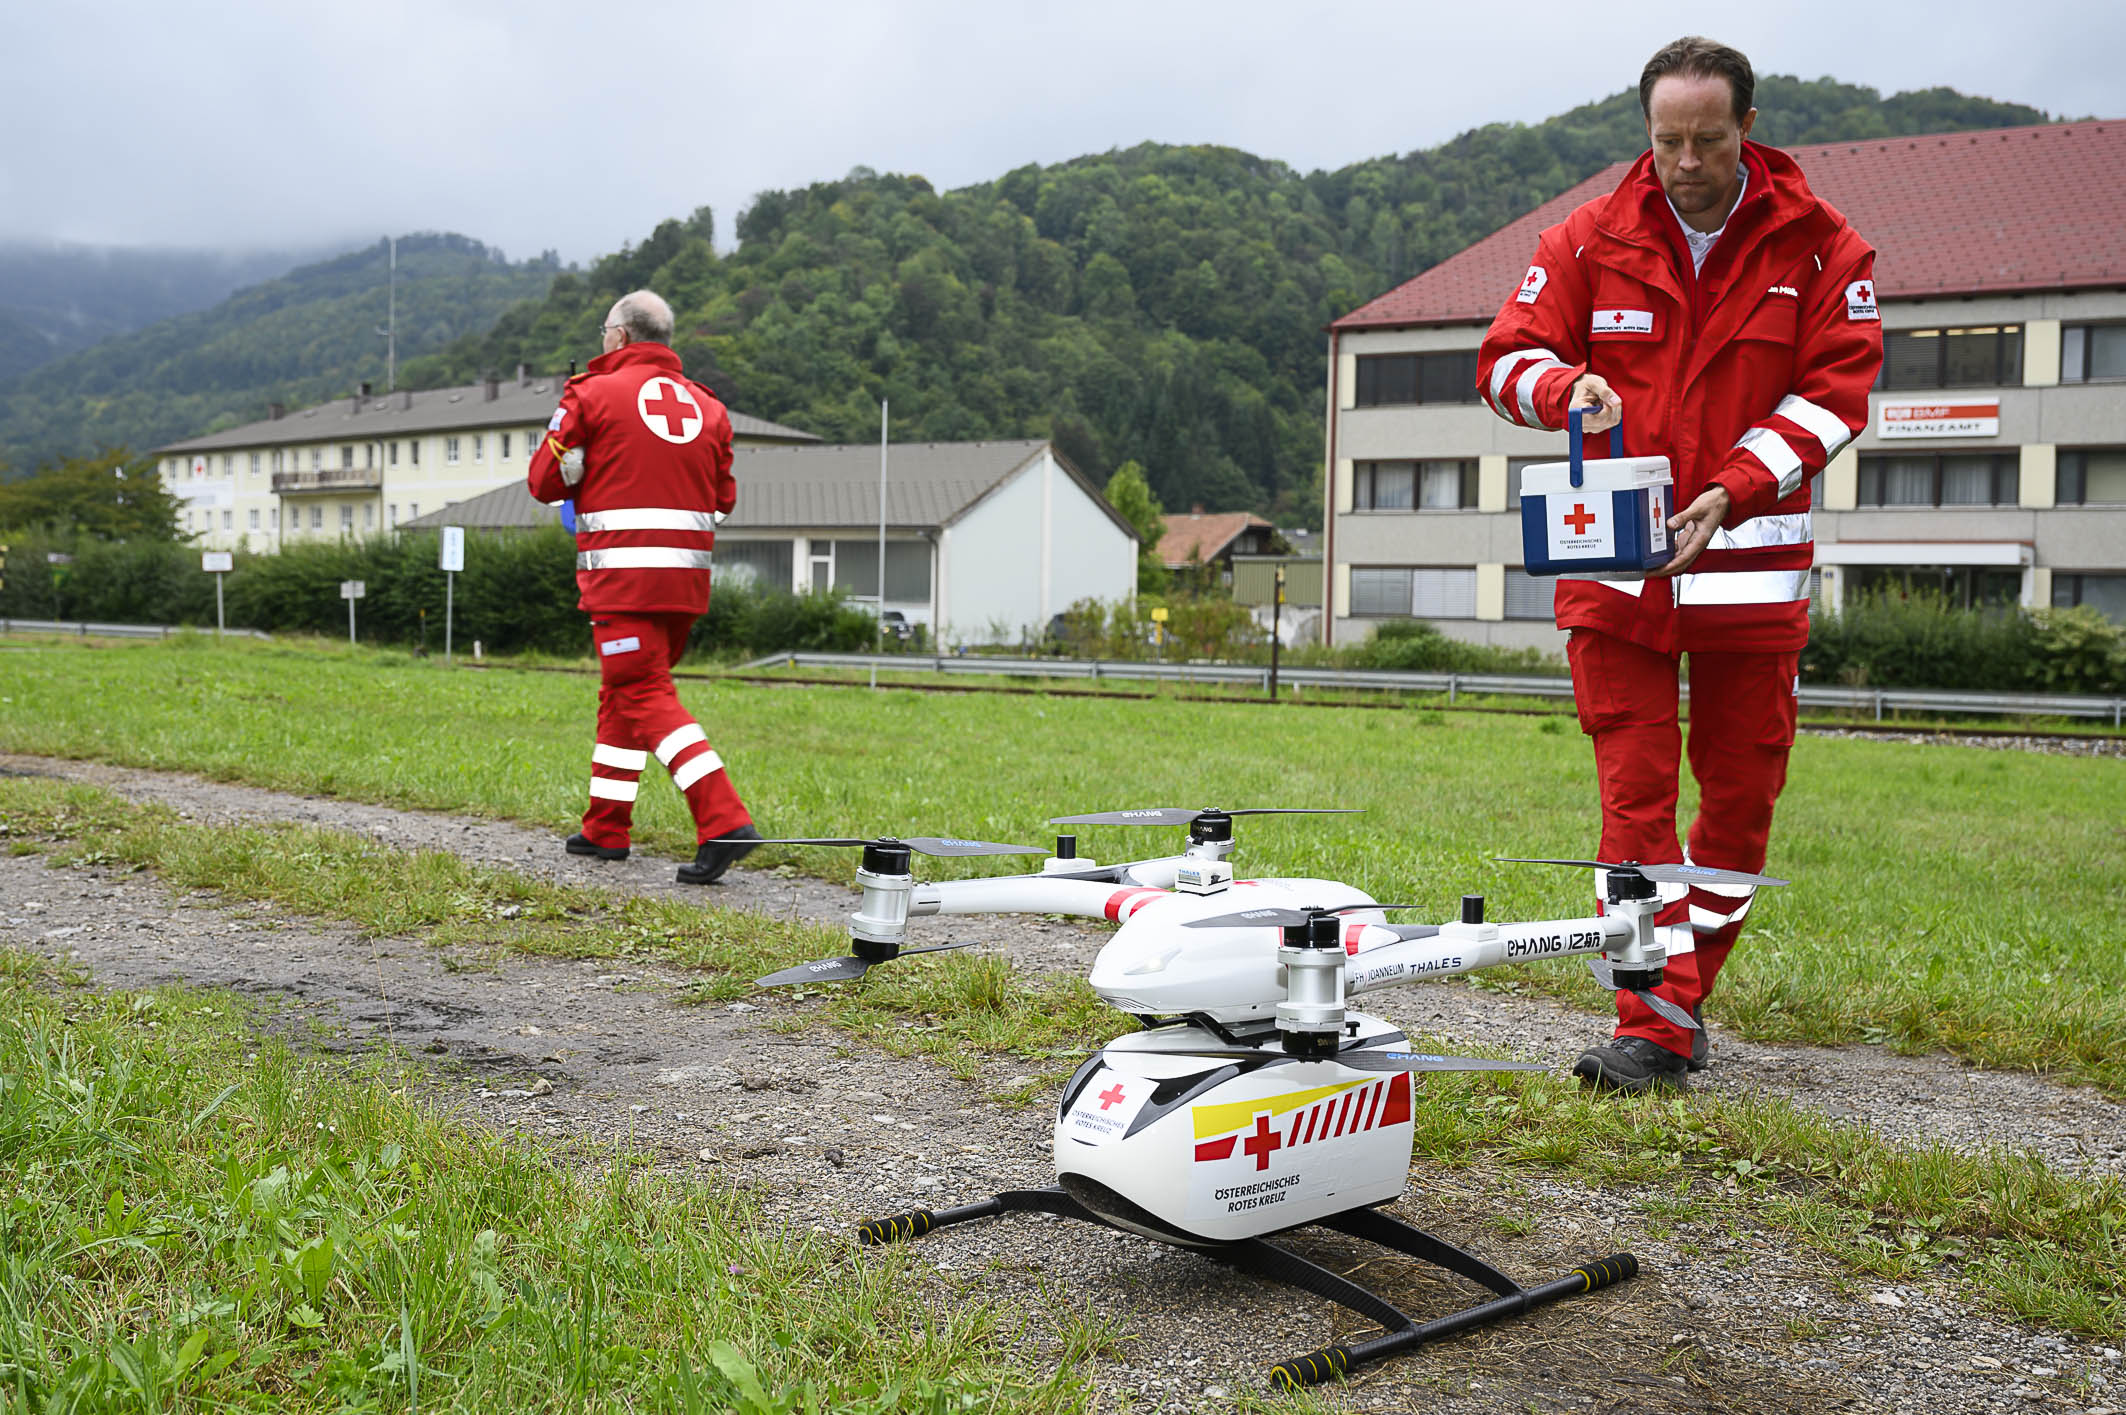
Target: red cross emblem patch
x=1532 y=284
x=669 y=410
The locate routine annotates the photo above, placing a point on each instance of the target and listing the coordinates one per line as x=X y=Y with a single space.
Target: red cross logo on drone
x=1262 y=1142
x=1113 y=1095
x=663 y=400
x=1580 y=519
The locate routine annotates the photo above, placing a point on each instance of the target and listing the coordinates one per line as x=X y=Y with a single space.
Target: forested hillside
x=1162 y=304
x=308 y=335
x=55 y=299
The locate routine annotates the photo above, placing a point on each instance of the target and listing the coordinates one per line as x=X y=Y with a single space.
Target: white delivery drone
x=1255 y=1100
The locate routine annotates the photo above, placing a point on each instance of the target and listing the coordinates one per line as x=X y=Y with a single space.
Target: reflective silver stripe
x=1678 y=938
x=1630 y=587
x=696 y=769
x=608 y=789
x=645 y=518
x=1524 y=390
x=1823 y=424
x=642 y=557
x=679 y=740
x=1503 y=370
x=1743 y=587
x=1777 y=455
x=619 y=758
x=1760 y=532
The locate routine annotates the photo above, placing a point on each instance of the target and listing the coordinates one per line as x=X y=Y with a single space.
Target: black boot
x=1701 y=1050
x=713 y=857
x=1632 y=1064
x=578 y=845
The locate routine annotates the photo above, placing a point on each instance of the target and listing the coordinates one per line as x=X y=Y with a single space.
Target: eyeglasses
x=609 y=328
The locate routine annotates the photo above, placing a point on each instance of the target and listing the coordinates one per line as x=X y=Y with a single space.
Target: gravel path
x=826 y=1133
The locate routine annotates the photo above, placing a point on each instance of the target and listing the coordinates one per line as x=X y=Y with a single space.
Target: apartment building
x=1993 y=466
x=363 y=465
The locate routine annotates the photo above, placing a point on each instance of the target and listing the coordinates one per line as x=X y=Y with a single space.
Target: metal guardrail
x=90 y=629
x=1878 y=701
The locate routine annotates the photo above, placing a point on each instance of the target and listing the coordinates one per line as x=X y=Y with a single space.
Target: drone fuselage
x=1197 y=1151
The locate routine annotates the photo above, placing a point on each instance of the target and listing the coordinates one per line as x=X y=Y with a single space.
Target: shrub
x=1920 y=640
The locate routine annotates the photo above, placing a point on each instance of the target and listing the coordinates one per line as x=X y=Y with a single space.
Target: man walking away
x=645 y=453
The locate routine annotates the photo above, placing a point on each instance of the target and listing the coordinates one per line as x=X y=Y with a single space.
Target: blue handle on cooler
x=1616 y=442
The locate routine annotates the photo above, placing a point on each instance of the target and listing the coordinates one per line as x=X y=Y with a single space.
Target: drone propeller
x=1371 y=1059
x=1293 y=918
x=846 y=969
x=1605 y=973
x=1662 y=874
x=1180 y=815
x=925 y=844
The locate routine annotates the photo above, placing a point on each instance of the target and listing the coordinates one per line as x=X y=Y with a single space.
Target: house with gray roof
x=985 y=541
x=367 y=463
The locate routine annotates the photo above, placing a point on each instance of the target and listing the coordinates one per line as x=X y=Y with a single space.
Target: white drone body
x=1254 y=1099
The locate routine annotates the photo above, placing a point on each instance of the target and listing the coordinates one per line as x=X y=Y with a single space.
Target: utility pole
x=878 y=644
x=390 y=331
x=1276 y=628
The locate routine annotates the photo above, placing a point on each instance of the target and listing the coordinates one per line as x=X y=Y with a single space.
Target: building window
x=369 y=454
x=1529 y=596
x=393 y=514
x=228 y=520
x=1961 y=586
x=2091 y=476
x=1983 y=356
x=254 y=464
x=505 y=447
x=1387 y=380
x=479 y=446
x=394 y=454
x=1428 y=594
x=1940 y=479
x=413 y=511
x=278 y=461
x=450 y=451
x=225 y=464
x=1431 y=484
x=769 y=563
x=317 y=459
x=317 y=518
x=254 y=518
x=2106 y=594
x=2090 y=353
x=413 y=452
x=1516 y=468
x=368 y=516
x=346 y=519
x=347 y=457
x=907 y=569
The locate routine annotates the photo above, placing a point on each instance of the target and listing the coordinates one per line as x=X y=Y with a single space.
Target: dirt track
x=826 y=1133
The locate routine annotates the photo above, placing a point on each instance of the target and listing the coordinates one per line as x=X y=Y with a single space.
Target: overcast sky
x=577 y=126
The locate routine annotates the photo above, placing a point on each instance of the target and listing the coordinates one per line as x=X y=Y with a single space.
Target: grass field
x=1945 y=897
x=2033 y=1243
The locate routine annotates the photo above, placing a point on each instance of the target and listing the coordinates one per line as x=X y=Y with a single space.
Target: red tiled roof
x=1202 y=538
x=2040 y=208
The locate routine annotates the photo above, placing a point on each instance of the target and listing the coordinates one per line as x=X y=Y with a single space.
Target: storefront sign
x=1957 y=417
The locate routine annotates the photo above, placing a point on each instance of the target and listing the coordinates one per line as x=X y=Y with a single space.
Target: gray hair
x=645 y=316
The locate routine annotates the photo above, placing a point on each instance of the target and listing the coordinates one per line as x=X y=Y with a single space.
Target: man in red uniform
x=1727 y=315
x=645 y=454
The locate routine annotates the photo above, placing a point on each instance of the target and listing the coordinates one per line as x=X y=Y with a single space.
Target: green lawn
x=1944 y=897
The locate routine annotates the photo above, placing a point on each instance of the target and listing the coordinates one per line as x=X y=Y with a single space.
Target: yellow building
x=361 y=466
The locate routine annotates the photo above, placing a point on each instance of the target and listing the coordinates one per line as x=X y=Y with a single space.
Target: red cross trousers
x=1580 y=519
x=1262 y=1143
x=1113 y=1095
x=663 y=400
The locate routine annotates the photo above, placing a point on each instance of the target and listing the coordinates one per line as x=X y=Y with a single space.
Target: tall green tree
x=1129 y=493
x=112 y=497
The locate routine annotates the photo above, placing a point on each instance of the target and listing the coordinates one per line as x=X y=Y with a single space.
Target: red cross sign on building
x=668 y=410
x=1580 y=518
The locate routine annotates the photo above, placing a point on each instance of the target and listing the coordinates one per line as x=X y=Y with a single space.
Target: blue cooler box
x=1607 y=517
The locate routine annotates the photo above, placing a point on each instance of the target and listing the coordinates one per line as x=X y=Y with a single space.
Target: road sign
x=453 y=559
x=353 y=589
x=217 y=562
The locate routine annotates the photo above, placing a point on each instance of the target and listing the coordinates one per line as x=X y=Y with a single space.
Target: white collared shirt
x=1701 y=242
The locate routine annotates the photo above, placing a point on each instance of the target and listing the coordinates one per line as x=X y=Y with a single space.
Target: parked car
x=896 y=624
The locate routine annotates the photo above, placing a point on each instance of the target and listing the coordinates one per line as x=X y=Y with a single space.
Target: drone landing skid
x=1279 y=1264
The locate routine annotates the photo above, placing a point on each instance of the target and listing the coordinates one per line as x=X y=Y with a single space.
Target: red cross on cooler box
x=1580 y=519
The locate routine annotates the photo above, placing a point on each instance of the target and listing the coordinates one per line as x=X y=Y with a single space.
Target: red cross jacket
x=646 y=455
x=1750 y=374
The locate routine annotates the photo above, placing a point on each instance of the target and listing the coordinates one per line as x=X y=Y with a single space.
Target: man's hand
x=1605 y=409
x=1694 y=526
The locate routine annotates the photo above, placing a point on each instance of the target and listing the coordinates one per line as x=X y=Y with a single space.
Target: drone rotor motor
x=1310 y=1021
x=880 y=922
x=1643 y=962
